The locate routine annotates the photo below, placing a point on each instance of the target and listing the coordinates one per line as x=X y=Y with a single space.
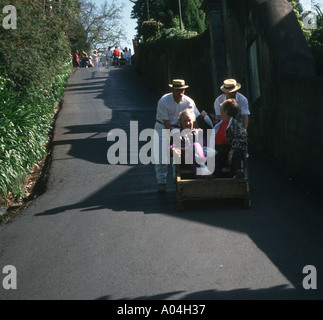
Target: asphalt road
x=101 y=231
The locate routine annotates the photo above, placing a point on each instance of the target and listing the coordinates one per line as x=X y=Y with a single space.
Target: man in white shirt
x=127 y=56
x=109 y=56
x=230 y=89
x=168 y=109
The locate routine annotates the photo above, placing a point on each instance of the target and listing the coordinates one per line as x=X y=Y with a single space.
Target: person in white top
x=127 y=56
x=230 y=89
x=109 y=54
x=168 y=109
x=103 y=60
x=130 y=56
x=95 y=58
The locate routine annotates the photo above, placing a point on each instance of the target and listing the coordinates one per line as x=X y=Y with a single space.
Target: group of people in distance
x=82 y=60
x=108 y=58
x=118 y=57
x=227 y=142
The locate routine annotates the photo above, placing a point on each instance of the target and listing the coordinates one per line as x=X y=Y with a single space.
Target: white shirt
x=109 y=53
x=95 y=58
x=242 y=104
x=168 y=109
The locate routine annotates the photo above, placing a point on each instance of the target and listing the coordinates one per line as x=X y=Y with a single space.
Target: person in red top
x=76 y=59
x=116 y=56
x=229 y=140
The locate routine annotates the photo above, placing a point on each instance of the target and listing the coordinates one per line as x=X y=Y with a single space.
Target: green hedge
x=35 y=52
x=35 y=63
x=25 y=123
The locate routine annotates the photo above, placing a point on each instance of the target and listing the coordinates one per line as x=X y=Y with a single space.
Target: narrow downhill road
x=101 y=231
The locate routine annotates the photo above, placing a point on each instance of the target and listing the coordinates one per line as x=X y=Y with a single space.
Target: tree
x=141 y=12
x=102 y=24
x=167 y=12
x=313 y=32
x=297 y=6
x=194 y=17
x=315 y=40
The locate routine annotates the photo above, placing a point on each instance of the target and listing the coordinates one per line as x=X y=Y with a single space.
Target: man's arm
x=245 y=120
x=244 y=107
x=167 y=124
x=217 y=109
x=206 y=118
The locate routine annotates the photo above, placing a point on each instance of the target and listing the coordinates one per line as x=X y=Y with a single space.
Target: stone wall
x=301 y=103
x=267 y=52
x=189 y=59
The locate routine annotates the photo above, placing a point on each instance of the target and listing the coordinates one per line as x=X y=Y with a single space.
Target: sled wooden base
x=188 y=188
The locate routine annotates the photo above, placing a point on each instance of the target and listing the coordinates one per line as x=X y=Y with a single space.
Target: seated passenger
x=190 y=151
x=229 y=140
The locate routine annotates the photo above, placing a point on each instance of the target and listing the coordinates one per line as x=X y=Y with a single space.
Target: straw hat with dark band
x=230 y=85
x=178 y=84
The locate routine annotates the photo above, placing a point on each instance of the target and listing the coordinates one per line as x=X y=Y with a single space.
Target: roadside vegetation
x=311 y=23
x=25 y=124
x=37 y=41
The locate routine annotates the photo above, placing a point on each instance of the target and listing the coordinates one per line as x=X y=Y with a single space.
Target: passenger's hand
x=177 y=151
x=203 y=114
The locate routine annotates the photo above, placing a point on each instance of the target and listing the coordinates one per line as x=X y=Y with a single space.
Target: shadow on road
x=284 y=222
x=281 y=292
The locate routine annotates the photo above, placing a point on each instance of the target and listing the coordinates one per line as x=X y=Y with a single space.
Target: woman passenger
x=229 y=140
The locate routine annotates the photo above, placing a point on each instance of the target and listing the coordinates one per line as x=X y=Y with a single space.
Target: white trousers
x=162 y=154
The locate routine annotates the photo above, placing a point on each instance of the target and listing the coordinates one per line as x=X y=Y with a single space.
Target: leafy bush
x=35 y=63
x=314 y=37
x=169 y=37
x=38 y=49
x=150 y=28
x=25 y=123
x=315 y=43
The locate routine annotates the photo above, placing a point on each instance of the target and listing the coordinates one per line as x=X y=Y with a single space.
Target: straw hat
x=230 y=85
x=178 y=84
